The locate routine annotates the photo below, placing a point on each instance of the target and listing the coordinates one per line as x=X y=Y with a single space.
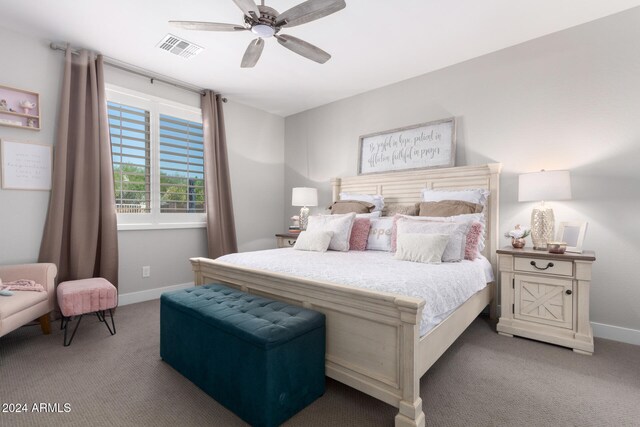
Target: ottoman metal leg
x=65 y=325
x=102 y=317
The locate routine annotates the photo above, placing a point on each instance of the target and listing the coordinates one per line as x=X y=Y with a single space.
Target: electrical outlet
x=146 y=271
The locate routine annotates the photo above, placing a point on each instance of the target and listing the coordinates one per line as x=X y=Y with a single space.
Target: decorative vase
x=517 y=242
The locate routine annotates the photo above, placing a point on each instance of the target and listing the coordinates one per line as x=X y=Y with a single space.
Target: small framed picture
x=572 y=233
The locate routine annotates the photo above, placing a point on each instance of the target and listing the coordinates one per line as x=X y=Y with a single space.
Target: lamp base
x=304 y=217
x=542 y=226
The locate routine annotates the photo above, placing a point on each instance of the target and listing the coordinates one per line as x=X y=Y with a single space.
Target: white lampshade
x=544 y=185
x=304 y=196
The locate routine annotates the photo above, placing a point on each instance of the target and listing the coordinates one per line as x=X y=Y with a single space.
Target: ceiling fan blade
x=248 y=7
x=303 y=48
x=207 y=26
x=252 y=54
x=309 y=11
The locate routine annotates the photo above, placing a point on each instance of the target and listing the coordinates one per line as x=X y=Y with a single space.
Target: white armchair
x=24 y=306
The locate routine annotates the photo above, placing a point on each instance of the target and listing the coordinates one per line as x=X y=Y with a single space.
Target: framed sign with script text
x=427 y=145
x=26 y=166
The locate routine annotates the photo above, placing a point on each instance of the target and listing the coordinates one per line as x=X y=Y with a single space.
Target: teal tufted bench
x=262 y=359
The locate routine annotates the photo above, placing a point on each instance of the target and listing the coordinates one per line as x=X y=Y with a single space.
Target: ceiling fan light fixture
x=264 y=31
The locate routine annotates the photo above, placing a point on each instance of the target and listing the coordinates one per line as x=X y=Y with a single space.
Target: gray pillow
x=348 y=206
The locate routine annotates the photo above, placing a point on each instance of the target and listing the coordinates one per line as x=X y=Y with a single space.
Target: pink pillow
x=359 y=234
x=473 y=240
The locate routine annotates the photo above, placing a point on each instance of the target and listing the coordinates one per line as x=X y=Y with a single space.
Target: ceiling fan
x=266 y=22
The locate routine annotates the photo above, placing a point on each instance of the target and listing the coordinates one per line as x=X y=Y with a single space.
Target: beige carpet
x=483 y=380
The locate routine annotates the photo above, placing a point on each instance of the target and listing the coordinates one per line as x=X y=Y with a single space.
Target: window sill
x=163 y=226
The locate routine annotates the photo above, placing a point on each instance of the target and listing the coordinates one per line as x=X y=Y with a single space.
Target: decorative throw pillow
x=425 y=248
x=376 y=199
x=475 y=195
x=348 y=206
x=375 y=214
x=449 y=208
x=461 y=218
x=359 y=234
x=340 y=225
x=380 y=234
x=316 y=241
x=391 y=209
x=457 y=235
x=474 y=234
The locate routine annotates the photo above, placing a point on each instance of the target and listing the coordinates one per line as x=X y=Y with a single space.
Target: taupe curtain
x=80 y=234
x=221 y=230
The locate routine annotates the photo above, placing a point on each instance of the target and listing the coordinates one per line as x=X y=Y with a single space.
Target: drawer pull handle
x=568 y=292
x=549 y=265
x=291 y=242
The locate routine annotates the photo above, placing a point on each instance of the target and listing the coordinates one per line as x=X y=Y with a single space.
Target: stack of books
x=294 y=229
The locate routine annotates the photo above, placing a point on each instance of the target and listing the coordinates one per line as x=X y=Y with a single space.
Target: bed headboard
x=406 y=187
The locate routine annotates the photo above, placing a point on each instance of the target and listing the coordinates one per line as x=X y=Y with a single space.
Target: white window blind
x=130 y=131
x=158 y=161
x=181 y=166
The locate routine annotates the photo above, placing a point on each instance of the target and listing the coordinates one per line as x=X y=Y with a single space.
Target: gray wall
x=256 y=152
x=570 y=100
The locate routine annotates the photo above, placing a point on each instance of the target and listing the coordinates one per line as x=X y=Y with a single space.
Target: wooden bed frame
x=373 y=340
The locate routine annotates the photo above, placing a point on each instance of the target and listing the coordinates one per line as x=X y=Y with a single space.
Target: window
x=158 y=161
x=181 y=165
x=130 y=149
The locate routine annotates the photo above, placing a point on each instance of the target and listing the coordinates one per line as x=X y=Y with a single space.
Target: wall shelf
x=12 y=98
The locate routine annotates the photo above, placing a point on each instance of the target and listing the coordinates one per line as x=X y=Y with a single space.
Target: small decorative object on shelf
x=3 y=105
x=556 y=247
x=26 y=106
x=518 y=235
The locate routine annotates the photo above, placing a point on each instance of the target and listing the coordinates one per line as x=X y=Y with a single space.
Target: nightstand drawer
x=540 y=265
x=285 y=240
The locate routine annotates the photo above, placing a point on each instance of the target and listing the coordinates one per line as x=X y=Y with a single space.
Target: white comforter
x=443 y=287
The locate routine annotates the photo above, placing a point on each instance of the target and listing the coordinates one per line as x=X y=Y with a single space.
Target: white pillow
x=339 y=224
x=316 y=241
x=476 y=195
x=425 y=248
x=469 y=218
x=375 y=199
x=457 y=232
x=375 y=214
x=380 y=234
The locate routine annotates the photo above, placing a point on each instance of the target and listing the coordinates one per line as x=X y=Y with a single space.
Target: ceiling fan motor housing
x=268 y=16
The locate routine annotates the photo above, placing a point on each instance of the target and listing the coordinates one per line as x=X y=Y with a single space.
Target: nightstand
x=545 y=297
x=286 y=240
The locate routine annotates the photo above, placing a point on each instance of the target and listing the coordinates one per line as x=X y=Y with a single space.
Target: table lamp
x=543 y=186
x=304 y=196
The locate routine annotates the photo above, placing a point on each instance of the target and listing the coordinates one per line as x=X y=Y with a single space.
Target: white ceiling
x=373 y=42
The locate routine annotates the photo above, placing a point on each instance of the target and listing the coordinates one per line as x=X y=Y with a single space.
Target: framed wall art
x=423 y=146
x=26 y=166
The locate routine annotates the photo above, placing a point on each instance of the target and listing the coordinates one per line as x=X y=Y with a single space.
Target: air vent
x=179 y=46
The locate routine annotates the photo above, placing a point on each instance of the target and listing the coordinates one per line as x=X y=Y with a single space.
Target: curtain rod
x=120 y=65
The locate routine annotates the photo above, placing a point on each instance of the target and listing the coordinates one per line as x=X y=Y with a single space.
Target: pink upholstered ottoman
x=79 y=297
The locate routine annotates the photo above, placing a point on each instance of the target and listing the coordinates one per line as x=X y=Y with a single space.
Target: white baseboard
x=610 y=332
x=616 y=333
x=150 y=294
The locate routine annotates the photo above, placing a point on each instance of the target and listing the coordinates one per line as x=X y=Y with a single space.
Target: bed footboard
x=372 y=337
